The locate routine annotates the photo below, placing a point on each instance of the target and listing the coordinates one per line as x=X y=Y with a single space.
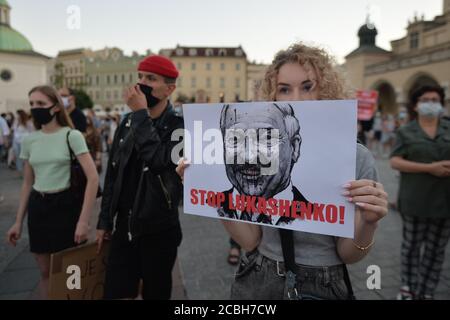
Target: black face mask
x=43 y=115
x=152 y=101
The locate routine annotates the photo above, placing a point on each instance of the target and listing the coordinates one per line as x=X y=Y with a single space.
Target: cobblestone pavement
x=208 y=276
x=19 y=275
x=202 y=271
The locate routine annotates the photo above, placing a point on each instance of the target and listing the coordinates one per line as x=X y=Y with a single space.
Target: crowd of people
x=379 y=133
x=143 y=188
x=14 y=127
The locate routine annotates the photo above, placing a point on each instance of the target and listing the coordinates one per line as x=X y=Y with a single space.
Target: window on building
x=179 y=66
x=97 y=95
x=108 y=79
x=193 y=66
x=115 y=79
x=208 y=66
x=180 y=82
x=108 y=95
x=97 y=80
x=123 y=78
x=180 y=51
x=208 y=83
x=222 y=83
x=193 y=82
x=238 y=66
x=116 y=94
x=238 y=83
x=222 y=66
x=414 y=40
x=131 y=78
x=6 y=75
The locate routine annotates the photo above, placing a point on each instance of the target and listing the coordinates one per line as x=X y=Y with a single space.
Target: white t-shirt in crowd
x=4 y=130
x=21 y=131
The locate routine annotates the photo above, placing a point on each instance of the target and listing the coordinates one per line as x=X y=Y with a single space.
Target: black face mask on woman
x=43 y=115
x=152 y=101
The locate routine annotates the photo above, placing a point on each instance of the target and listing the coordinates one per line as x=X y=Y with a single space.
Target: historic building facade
x=210 y=74
x=421 y=57
x=21 y=68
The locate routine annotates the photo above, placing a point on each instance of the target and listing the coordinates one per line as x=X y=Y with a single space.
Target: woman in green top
x=422 y=155
x=57 y=218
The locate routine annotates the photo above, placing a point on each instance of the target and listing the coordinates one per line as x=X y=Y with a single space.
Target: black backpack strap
x=348 y=283
x=72 y=154
x=287 y=245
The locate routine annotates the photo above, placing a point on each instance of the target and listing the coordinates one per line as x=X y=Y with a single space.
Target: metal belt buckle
x=291 y=283
x=295 y=297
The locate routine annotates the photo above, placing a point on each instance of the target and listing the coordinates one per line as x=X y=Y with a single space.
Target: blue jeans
x=19 y=162
x=260 y=278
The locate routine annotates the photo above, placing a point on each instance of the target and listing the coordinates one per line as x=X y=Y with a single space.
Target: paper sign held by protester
x=277 y=164
x=78 y=273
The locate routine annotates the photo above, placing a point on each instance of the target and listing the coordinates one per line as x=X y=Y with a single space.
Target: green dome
x=12 y=40
x=4 y=3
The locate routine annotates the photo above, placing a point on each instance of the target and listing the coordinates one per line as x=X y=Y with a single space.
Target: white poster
x=278 y=164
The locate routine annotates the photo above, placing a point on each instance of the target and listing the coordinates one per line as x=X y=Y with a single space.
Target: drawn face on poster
x=261 y=147
x=279 y=164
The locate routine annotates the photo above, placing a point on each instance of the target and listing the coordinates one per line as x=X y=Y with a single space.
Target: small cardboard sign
x=78 y=273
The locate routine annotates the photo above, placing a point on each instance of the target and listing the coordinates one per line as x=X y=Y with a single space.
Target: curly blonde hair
x=331 y=84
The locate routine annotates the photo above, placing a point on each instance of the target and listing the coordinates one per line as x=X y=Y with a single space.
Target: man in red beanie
x=142 y=190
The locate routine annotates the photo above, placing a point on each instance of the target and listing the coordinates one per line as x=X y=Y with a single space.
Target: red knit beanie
x=159 y=65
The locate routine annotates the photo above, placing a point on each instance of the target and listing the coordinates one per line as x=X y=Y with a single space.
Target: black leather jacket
x=159 y=187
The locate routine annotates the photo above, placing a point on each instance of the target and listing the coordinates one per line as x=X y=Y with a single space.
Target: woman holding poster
x=283 y=264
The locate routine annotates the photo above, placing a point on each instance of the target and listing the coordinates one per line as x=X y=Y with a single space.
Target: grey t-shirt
x=315 y=249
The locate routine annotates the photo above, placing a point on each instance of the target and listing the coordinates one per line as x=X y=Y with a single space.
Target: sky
x=261 y=27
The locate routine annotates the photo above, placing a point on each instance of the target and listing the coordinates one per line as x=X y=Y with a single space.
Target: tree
x=182 y=98
x=83 y=100
x=58 y=80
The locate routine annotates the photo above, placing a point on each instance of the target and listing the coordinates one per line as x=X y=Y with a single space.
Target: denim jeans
x=19 y=162
x=260 y=278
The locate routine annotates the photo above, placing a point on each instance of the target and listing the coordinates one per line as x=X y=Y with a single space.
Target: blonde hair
x=331 y=84
x=62 y=117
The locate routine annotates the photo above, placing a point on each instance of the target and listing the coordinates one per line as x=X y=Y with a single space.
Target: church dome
x=10 y=39
x=367 y=30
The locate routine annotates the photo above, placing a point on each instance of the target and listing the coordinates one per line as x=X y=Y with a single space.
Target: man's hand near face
x=135 y=99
